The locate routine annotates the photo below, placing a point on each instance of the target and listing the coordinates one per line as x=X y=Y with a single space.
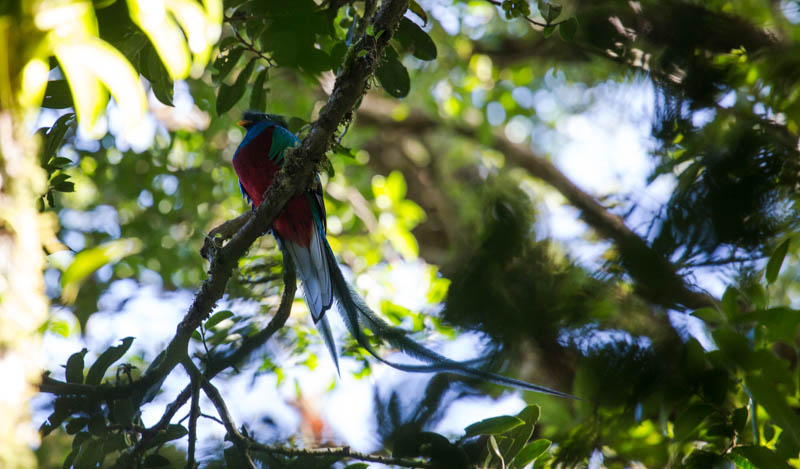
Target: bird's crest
x=251 y=118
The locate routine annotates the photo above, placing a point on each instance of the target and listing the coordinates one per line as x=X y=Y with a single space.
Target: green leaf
x=123 y=411
x=417 y=10
x=106 y=359
x=296 y=123
x=548 y=31
x=65 y=186
x=156 y=461
x=75 y=367
x=314 y=61
x=233 y=457
x=337 y=54
x=218 y=317
x=761 y=457
x=92 y=68
x=730 y=302
x=97 y=425
x=225 y=63
x=493 y=426
x=710 y=315
x=58 y=179
x=228 y=96
x=714 y=384
x=568 y=28
x=164 y=33
x=702 y=459
x=90 y=455
x=58 y=163
x=69 y=459
x=393 y=76
x=688 y=421
x=519 y=437
x=160 y=82
x=776 y=260
x=530 y=414
x=739 y=419
x=76 y=424
x=58 y=327
x=549 y=11
x=767 y=396
x=734 y=346
x=415 y=39
x=175 y=431
x=781 y=322
x=531 y=451
x=258 y=97
x=57 y=95
x=88 y=261
x=57 y=133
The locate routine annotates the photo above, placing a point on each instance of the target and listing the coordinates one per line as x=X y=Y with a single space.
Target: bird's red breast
x=256 y=172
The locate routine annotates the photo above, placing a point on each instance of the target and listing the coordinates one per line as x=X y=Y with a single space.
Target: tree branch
x=656 y=278
x=343 y=451
x=194 y=413
x=295 y=177
x=222 y=410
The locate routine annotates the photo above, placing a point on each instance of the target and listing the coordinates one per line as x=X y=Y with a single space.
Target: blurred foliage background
x=670 y=313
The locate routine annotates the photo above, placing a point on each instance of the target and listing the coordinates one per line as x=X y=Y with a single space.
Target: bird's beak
x=244 y=122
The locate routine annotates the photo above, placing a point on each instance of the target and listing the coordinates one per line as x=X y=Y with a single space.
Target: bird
x=300 y=230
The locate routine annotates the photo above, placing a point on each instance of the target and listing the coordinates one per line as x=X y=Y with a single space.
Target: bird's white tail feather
x=356 y=314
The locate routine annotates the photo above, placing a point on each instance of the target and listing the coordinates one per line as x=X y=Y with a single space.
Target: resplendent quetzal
x=300 y=231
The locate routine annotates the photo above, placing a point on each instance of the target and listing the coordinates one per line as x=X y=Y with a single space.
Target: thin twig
x=211 y=417
x=528 y=18
x=222 y=410
x=162 y=424
x=194 y=412
x=249 y=45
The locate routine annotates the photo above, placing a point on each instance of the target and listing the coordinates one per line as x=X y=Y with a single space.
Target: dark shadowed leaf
x=173 y=432
x=76 y=424
x=57 y=95
x=690 y=419
x=90 y=455
x=160 y=82
x=568 y=28
x=393 y=76
x=760 y=457
x=229 y=95
x=415 y=39
x=739 y=419
x=57 y=133
x=74 y=372
x=155 y=461
x=775 y=403
x=776 y=260
x=258 y=97
x=337 y=53
x=106 y=359
x=225 y=63
x=123 y=411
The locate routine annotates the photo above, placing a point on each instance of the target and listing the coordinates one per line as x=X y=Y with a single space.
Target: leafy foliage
x=419 y=174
